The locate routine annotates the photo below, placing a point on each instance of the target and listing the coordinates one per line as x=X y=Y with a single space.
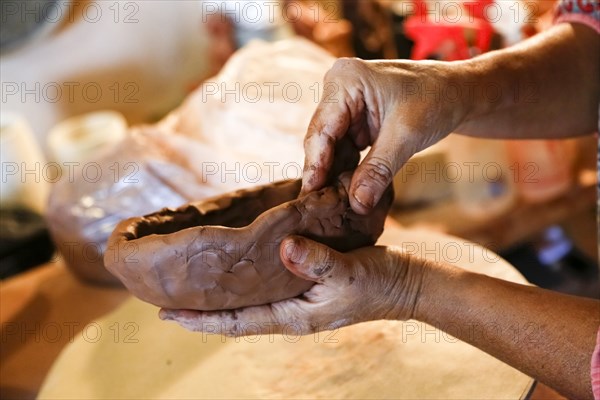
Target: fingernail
x=165 y=315
x=294 y=252
x=364 y=196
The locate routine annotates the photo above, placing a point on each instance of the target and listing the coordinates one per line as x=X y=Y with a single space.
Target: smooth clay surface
x=223 y=253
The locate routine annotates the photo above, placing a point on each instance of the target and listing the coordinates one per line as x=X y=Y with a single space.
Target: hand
x=366 y=284
x=396 y=107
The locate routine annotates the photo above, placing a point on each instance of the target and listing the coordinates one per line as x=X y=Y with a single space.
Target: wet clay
x=223 y=253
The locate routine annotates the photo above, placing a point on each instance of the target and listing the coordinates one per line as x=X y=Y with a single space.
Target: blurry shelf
x=521 y=222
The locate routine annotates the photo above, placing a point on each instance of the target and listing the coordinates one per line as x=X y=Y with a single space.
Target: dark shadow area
x=562 y=258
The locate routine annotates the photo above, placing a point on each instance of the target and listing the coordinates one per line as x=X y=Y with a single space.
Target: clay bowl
x=223 y=253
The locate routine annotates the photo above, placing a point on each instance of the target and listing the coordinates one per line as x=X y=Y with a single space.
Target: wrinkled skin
x=204 y=257
x=365 y=284
x=382 y=104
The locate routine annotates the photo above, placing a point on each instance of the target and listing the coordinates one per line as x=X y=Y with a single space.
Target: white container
x=82 y=138
x=25 y=173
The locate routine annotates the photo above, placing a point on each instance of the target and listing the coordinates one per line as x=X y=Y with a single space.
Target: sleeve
x=585 y=12
x=595 y=368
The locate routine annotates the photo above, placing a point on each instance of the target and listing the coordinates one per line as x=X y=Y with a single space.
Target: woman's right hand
x=366 y=284
x=396 y=107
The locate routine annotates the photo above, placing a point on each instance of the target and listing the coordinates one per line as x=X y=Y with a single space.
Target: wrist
x=408 y=273
x=488 y=84
x=468 y=79
x=440 y=293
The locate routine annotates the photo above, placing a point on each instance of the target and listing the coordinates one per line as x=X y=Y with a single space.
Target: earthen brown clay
x=223 y=253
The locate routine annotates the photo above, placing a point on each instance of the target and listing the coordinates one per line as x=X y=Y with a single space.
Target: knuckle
x=325 y=256
x=319 y=127
x=379 y=171
x=322 y=269
x=310 y=133
x=344 y=63
x=327 y=136
x=329 y=266
x=344 y=66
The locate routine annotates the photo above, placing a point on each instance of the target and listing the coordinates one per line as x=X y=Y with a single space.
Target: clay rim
x=169 y=221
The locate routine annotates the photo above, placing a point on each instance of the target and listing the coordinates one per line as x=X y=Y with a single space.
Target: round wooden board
x=131 y=354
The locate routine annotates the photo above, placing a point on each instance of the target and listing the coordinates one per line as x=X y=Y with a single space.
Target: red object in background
x=477 y=8
x=429 y=35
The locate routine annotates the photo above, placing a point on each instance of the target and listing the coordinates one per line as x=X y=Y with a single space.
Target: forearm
x=545 y=87
x=547 y=335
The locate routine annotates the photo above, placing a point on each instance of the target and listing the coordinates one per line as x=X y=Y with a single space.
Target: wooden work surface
x=44 y=310
x=41 y=311
x=380 y=359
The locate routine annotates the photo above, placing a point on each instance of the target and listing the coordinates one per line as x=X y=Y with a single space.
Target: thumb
x=376 y=172
x=311 y=260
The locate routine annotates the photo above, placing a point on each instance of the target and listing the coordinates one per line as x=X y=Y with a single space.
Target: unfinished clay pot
x=223 y=253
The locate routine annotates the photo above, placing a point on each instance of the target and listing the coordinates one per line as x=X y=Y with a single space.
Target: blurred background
x=112 y=109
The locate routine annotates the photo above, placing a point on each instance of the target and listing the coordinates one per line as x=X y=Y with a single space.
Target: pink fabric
x=595 y=368
x=585 y=12
x=582 y=19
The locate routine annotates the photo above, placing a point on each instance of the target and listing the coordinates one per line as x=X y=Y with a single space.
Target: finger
x=376 y=172
x=313 y=261
x=329 y=123
x=287 y=316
